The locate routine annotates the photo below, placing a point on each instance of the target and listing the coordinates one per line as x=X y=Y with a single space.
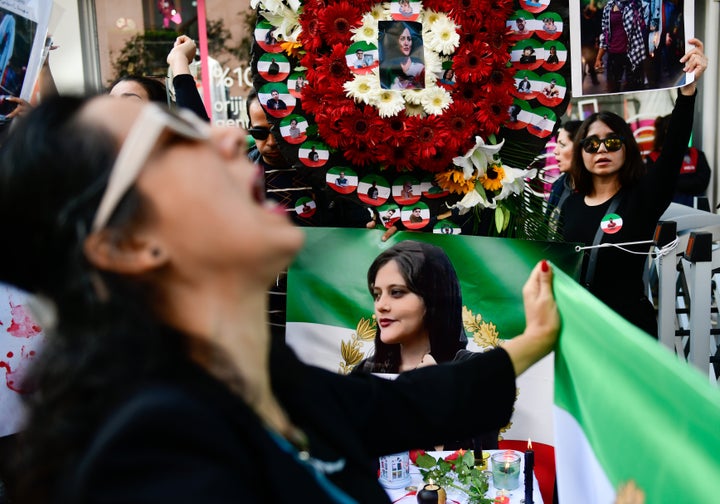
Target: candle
x=431 y=494
x=529 y=464
x=501 y=498
x=506 y=470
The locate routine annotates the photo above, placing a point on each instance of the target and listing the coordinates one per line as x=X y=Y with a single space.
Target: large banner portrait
x=330 y=310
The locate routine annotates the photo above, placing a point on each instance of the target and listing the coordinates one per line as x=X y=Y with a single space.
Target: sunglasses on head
x=612 y=143
x=260 y=133
x=137 y=148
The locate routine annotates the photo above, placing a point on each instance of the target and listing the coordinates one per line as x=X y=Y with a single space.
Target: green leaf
x=426 y=461
x=499 y=219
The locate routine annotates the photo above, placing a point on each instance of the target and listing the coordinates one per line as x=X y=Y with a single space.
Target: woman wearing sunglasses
x=617 y=202
x=148 y=237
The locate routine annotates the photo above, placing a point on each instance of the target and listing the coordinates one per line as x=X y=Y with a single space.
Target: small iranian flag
x=627 y=408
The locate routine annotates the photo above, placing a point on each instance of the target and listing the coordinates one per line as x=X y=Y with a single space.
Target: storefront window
x=134 y=38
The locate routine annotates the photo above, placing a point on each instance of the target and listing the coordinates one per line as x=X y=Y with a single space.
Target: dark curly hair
x=428 y=272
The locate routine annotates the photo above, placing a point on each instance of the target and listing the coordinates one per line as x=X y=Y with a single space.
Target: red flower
x=310 y=35
x=401 y=157
x=396 y=131
x=336 y=20
x=428 y=134
x=473 y=63
x=493 y=110
x=360 y=126
x=454 y=456
x=414 y=454
x=361 y=155
x=458 y=122
x=442 y=159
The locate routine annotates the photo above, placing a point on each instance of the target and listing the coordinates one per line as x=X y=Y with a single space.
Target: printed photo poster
x=648 y=58
x=20 y=342
x=23 y=30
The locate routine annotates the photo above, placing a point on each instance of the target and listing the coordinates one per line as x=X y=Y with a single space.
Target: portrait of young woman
x=402 y=62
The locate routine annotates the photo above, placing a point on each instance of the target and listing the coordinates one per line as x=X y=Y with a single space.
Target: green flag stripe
x=647 y=415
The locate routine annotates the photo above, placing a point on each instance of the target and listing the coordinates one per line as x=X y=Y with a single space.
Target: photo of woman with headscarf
x=402 y=63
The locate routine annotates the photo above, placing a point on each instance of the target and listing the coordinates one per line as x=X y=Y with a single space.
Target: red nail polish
x=544 y=266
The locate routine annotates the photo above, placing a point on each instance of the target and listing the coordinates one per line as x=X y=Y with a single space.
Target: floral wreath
x=444 y=130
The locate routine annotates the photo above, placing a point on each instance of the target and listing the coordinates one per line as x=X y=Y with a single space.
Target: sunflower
x=492 y=180
x=454 y=181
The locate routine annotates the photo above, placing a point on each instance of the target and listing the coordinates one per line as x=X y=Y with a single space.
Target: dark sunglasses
x=260 y=133
x=612 y=143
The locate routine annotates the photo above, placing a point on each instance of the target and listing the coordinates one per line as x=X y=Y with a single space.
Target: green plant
x=457 y=470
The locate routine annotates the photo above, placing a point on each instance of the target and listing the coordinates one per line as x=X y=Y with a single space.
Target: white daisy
x=413 y=96
x=388 y=102
x=412 y=109
x=428 y=17
x=363 y=88
x=435 y=100
x=367 y=31
x=442 y=36
x=380 y=11
x=433 y=67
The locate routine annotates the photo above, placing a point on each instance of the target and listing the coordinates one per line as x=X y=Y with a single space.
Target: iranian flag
x=624 y=406
x=627 y=408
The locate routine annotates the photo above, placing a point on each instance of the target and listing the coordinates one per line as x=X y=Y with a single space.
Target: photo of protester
x=628 y=45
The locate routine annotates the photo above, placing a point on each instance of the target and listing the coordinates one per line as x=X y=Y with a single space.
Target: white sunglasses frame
x=137 y=147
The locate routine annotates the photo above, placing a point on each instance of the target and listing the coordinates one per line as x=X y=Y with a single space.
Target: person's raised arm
x=541 y=318
x=186 y=93
x=695 y=62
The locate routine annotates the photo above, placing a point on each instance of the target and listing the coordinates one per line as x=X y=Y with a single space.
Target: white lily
x=477 y=158
x=286 y=21
x=274 y=6
x=514 y=181
x=470 y=200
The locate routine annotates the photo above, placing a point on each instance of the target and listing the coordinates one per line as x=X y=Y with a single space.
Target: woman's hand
x=542 y=321
x=695 y=63
x=22 y=108
x=181 y=55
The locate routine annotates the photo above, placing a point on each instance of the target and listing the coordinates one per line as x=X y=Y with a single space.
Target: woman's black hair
x=153 y=87
x=54 y=167
x=389 y=43
x=661 y=126
x=428 y=272
x=571 y=127
x=631 y=171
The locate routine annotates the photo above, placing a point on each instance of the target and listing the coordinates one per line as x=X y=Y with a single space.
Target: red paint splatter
x=22 y=325
x=14 y=377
